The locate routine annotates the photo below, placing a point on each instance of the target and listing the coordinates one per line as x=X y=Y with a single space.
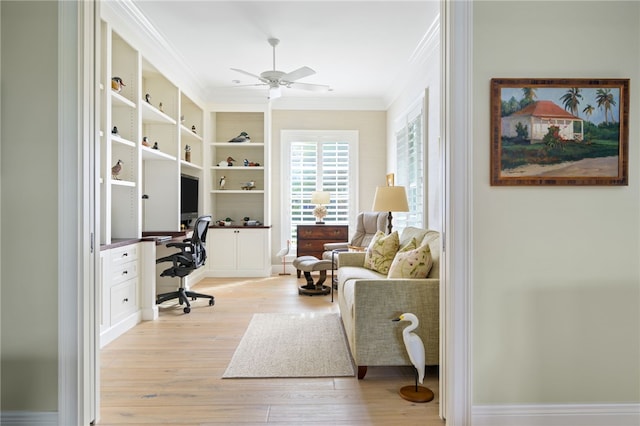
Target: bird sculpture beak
x=396 y=319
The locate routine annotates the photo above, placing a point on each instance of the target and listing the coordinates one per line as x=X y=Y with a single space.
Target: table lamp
x=390 y=199
x=319 y=198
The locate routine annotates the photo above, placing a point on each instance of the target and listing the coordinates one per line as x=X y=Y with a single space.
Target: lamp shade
x=320 y=197
x=390 y=199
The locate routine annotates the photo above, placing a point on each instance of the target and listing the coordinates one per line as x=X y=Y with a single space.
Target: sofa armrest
x=336 y=246
x=351 y=258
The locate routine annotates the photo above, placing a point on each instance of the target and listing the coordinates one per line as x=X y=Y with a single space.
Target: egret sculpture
x=283 y=253
x=415 y=350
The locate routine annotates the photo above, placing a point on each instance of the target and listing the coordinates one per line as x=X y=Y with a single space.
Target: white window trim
x=289 y=136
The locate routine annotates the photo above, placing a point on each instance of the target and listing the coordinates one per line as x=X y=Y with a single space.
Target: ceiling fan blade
x=310 y=87
x=247 y=73
x=301 y=72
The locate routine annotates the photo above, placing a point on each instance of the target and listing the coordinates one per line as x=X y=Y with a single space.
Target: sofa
x=368 y=301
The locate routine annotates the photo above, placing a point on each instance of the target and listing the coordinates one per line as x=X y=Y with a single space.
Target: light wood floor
x=169 y=371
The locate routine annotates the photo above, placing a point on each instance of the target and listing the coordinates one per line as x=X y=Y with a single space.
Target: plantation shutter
x=319 y=166
x=410 y=166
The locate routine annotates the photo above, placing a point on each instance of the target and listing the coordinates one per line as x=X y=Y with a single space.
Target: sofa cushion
x=381 y=251
x=411 y=263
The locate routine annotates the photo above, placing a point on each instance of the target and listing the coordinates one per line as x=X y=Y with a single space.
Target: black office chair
x=191 y=256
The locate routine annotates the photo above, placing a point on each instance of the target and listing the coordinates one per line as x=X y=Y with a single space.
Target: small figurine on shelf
x=187 y=153
x=222 y=182
x=117 y=84
x=226 y=163
x=145 y=141
x=115 y=170
x=193 y=128
x=245 y=162
x=247 y=186
x=155 y=145
x=147 y=98
x=242 y=137
x=160 y=107
x=114 y=131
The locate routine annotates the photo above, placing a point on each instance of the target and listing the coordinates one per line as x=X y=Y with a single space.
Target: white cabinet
x=120 y=289
x=238 y=252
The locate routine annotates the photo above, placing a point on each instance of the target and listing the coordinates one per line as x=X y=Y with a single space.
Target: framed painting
x=559 y=131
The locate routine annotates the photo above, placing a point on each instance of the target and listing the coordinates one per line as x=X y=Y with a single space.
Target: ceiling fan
x=277 y=79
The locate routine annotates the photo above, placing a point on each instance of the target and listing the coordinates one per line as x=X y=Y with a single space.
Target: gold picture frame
x=559 y=131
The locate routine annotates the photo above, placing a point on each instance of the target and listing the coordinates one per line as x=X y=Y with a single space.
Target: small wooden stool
x=308 y=264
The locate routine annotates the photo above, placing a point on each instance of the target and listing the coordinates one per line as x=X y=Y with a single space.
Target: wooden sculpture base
x=410 y=393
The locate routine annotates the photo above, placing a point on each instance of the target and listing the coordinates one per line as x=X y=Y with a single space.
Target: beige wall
x=555 y=269
x=29 y=160
x=371 y=126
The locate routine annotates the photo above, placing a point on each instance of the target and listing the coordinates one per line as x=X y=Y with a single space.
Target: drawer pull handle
x=125 y=300
x=125 y=254
x=125 y=272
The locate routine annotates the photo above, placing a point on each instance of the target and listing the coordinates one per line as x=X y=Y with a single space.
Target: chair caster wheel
x=211 y=302
x=187 y=310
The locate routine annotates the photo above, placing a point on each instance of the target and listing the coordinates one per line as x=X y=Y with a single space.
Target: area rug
x=292 y=345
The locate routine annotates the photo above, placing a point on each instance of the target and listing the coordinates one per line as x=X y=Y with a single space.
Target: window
x=318 y=161
x=410 y=166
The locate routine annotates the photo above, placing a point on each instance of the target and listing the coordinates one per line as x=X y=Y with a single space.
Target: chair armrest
x=349 y=258
x=336 y=246
x=180 y=245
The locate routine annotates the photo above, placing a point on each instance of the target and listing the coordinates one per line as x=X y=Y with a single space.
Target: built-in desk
x=128 y=280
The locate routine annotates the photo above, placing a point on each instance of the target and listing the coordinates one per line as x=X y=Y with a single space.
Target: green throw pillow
x=381 y=251
x=414 y=263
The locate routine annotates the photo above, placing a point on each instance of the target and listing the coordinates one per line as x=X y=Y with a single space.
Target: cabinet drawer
x=309 y=246
x=124 y=254
x=123 y=300
x=124 y=271
x=323 y=232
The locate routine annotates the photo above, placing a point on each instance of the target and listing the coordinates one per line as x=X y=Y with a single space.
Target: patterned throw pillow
x=414 y=263
x=381 y=251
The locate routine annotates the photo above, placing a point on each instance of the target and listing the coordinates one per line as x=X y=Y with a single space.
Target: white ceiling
x=361 y=49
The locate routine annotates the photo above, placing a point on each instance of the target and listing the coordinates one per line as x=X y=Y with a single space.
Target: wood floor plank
x=169 y=371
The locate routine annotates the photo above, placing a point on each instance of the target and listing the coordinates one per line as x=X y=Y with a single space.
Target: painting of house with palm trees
x=559 y=131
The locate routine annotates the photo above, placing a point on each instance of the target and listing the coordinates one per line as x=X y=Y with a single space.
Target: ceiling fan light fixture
x=274 y=92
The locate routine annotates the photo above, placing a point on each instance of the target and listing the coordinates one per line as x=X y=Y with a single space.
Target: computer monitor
x=188 y=198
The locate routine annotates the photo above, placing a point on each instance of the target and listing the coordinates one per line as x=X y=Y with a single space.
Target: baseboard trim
x=557 y=415
x=29 y=418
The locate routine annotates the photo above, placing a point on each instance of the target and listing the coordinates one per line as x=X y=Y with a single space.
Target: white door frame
x=456 y=130
x=77 y=89
x=77 y=382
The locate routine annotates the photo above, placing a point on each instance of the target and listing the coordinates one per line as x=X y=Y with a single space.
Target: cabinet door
x=251 y=249
x=221 y=249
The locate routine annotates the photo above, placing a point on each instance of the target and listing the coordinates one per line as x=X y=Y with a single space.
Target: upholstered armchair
x=367 y=224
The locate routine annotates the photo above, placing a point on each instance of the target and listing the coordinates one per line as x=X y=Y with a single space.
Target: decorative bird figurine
x=155 y=145
x=226 y=163
x=114 y=131
x=242 y=137
x=147 y=97
x=415 y=350
x=117 y=84
x=145 y=141
x=222 y=182
x=245 y=162
x=115 y=170
x=283 y=254
x=193 y=128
